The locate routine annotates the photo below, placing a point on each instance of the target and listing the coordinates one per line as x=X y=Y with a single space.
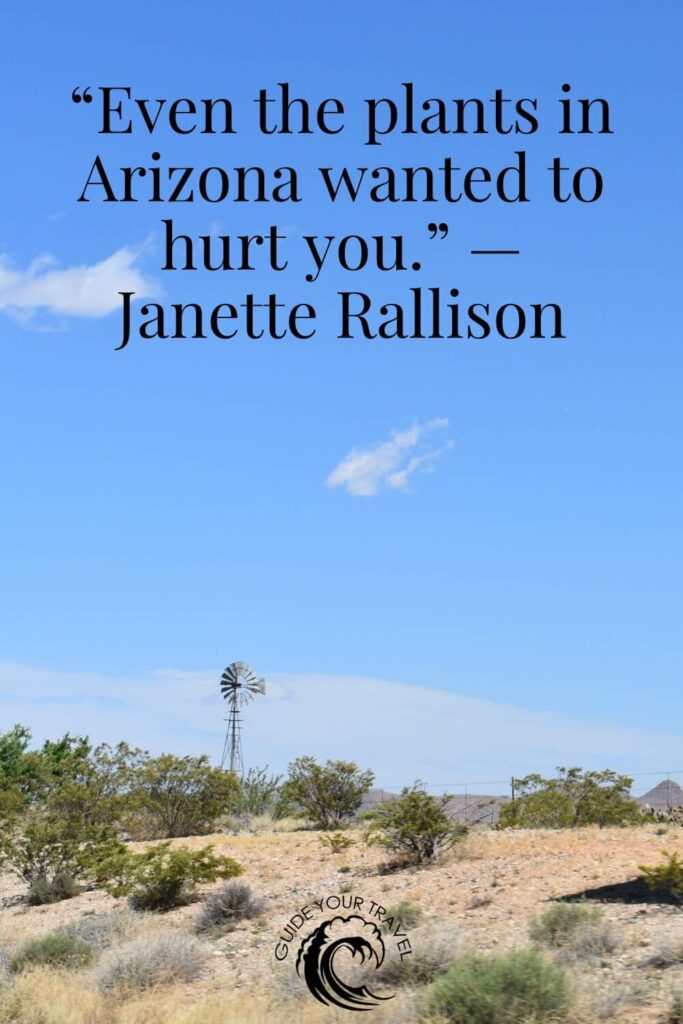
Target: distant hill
x=667 y=794
x=469 y=810
x=476 y=810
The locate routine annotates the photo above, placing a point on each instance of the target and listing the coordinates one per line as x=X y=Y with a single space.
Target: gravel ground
x=483 y=895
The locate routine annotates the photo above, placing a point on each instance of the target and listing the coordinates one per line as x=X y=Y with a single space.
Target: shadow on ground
x=633 y=891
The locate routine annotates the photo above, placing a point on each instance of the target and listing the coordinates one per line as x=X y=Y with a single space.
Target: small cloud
x=87 y=291
x=391 y=464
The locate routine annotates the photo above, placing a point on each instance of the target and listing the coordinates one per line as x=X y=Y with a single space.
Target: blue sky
x=169 y=507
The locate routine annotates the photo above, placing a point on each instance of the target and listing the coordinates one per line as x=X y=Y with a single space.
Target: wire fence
x=480 y=801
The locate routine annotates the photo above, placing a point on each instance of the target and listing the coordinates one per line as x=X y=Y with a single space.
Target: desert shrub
x=262 y=824
x=16 y=768
x=404 y=914
x=518 y=987
x=67 y=777
x=51 y=857
x=43 y=890
x=676 y=1011
x=337 y=842
x=291 y=823
x=151 y=961
x=259 y=794
x=224 y=909
x=113 y=787
x=576 y=929
x=669 y=954
x=554 y=927
x=545 y=809
x=415 y=826
x=666 y=878
x=177 y=796
x=574 y=798
x=101 y=930
x=88 y=786
x=56 y=950
x=665 y=816
x=597 y=1001
x=161 y=878
x=328 y=794
x=431 y=956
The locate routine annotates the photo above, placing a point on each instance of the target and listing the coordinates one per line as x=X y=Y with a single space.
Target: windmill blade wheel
x=240 y=676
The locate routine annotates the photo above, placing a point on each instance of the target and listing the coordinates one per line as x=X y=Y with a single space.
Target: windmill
x=239 y=683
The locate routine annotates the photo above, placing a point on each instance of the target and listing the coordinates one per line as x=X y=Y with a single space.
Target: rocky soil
x=483 y=895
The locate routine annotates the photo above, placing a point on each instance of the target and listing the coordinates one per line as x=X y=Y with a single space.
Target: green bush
x=518 y=987
x=416 y=825
x=554 y=927
x=259 y=794
x=87 y=786
x=223 y=910
x=329 y=794
x=405 y=914
x=664 y=816
x=57 y=950
x=51 y=856
x=576 y=929
x=151 y=961
x=114 y=787
x=547 y=808
x=666 y=878
x=572 y=799
x=162 y=878
x=177 y=796
x=337 y=842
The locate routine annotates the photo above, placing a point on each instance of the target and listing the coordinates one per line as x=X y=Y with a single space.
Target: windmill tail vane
x=239 y=685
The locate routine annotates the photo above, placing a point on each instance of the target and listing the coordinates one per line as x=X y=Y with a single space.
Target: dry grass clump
x=433 y=953
x=676 y=1010
x=52 y=890
x=669 y=954
x=46 y=997
x=576 y=930
x=102 y=930
x=174 y=1007
x=263 y=824
x=144 y=963
x=43 y=996
x=224 y=909
x=599 y=999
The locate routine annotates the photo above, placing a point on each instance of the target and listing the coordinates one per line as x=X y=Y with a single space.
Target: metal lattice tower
x=239 y=683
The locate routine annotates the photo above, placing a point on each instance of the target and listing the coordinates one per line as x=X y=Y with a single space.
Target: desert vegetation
x=137 y=889
x=574 y=798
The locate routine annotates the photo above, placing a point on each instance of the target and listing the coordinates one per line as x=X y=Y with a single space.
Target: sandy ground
x=483 y=895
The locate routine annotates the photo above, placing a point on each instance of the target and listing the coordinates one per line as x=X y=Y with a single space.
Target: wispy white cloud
x=404 y=732
x=84 y=291
x=389 y=464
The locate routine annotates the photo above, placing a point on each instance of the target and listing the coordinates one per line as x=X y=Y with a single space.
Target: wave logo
x=336 y=944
